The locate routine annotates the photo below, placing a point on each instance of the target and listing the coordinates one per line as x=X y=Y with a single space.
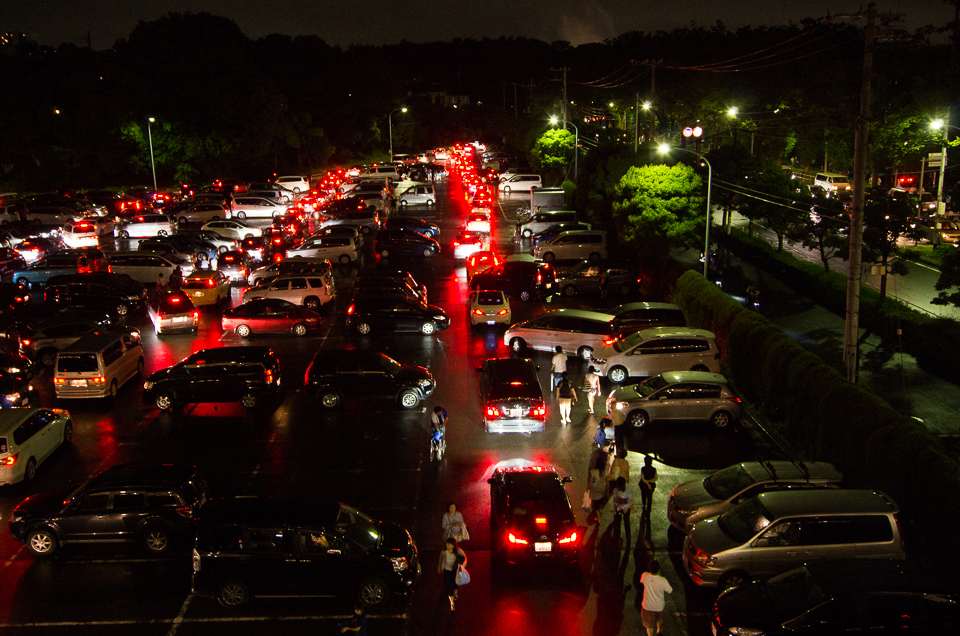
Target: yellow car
x=207 y=288
x=489 y=307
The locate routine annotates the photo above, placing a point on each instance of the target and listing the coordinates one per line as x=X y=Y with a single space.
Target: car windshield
x=359 y=528
x=725 y=483
x=392 y=366
x=744 y=521
x=651 y=385
x=793 y=593
x=77 y=362
x=623 y=344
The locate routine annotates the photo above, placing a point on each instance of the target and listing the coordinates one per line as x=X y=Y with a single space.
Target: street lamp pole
x=937 y=125
x=153 y=169
x=706 y=235
x=390 y=127
x=576 y=142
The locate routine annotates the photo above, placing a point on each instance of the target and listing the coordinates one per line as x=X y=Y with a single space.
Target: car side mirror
x=491 y=480
x=567 y=480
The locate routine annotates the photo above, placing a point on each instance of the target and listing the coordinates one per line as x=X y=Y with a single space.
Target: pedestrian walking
x=558 y=365
x=161 y=286
x=452 y=558
x=598 y=488
x=358 y=622
x=591 y=385
x=604 y=438
x=647 y=483
x=567 y=396
x=453 y=524
x=176 y=278
x=604 y=283
x=655 y=587
x=620 y=466
x=622 y=504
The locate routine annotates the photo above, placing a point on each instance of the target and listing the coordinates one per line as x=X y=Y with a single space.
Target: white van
x=97 y=365
x=543 y=220
x=27 y=438
x=521 y=183
x=146 y=267
x=145 y=225
x=574 y=244
x=658 y=350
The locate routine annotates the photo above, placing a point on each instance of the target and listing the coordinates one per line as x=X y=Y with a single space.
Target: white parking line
x=170 y=621
x=180 y=615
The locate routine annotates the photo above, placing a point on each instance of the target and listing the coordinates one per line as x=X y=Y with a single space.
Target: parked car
x=632 y=317
x=700 y=499
x=97 y=365
x=467 y=243
x=677 y=396
x=172 y=310
x=418 y=195
x=531 y=519
x=342 y=249
x=116 y=295
x=430 y=230
x=150 y=504
x=290 y=267
x=295 y=184
x=657 y=350
x=206 y=288
x=17 y=391
x=374 y=313
x=42 y=340
x=202 y=213
x=232 y=229
x=310 y=290
x=584 y=277
x=578 y=331
x=389 y=243
x=249 y=375
x=520 y=183
x=511 y=396
x=249 y=547
x=146 y=225
x=269 y=315
x=255 y=208
x=86 y=232
x=10 y=261
x=387 y=283
x=335 y=375
x=235 y=265
x=522 y=278
x=489 y=307
x=480 y=261
x=147 y=267
x=28 y=437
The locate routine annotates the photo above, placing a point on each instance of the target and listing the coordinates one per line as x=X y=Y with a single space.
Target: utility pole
x=653 y=99
x=852 y=328
x=563 y=106
x=636 y=123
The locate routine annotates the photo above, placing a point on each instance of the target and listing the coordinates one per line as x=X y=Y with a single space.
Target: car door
x=127 y=514
x=296 y=291
x=204 y=383
x=775 y=550
x=278 y=289
x=322 y=563
x=87 y=518
x=272 y=562
x=670 y=403
x=374 y=378
x=48 y=436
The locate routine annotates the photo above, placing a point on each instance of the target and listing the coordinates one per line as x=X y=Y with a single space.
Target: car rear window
x=489 y=298
x=175 y=305
x=77 y=363
x=197 y=283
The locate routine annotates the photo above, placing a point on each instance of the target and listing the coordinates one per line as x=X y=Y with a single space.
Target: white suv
x=145 y=225
x=311 y=291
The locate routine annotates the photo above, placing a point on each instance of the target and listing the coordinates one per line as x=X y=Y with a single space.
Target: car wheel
x=617 y=375
x=114 y=388
x=506 y=190
x=524 y=295
x=570 y=291
x=312 y=303
x=384 y=253
x=427 y=328
x=373 y=592
x=42 y=542
x=363 y=328
x=345 y=259
x=23 y=282
x=249 y=400
x=247 y=236
x=721 y=419
x=403 y=203
x=299 y=329
x=638 y=419
x=222 y=249
x=123 y=234
x=156 y=540
x=31 y=471
x=594 y=257
x=624 y=290
x=409 y=399
x=241 y=215
x=243 y=331
x=47 y=357
x=431 y=202
x=139 y=367
x=233 y=594
x=330 y=400
x=548 y=257
x=428 y=252
x=164 y=401
x=526 y=233
x=734 y=578
x=122 y=310
x=517 y=344
x=201 y=257
x=67 y=433
x=585 y=353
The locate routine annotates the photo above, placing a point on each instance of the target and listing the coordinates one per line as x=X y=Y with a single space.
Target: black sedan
x=413 y=224
x=531 y=519
x=405 y=243
x=370 y=313
x=511 y=396
x=335 y=375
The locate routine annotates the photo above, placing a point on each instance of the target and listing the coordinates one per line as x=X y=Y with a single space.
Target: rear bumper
x=519 y=425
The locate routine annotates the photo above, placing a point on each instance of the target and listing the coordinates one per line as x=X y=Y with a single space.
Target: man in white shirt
x=654 y=588
x=558 y=364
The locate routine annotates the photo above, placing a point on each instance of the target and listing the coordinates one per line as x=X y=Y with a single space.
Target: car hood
x=412 y=373
x=44 y=504
x=156 y=376
x=747 y=606
x=436 y=311
x=625 y=393
x=604 y=352
x=708 y=536
x=691 y=495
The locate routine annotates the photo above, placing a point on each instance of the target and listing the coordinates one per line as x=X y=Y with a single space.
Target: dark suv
x=531 y=519
x=380 y=312
x=249 y=375
x=404 y=243
x=253 y=547
x=524 y=278
x=339 y=374
x=102 y=292
x=153 y=504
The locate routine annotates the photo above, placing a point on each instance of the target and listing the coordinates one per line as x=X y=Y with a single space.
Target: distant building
x=448 y=101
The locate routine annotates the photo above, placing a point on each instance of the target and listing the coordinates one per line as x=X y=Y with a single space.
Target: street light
x=576 y=141
x=937 y=125
x=390 y=126
x=664 y=149
x=153 y=169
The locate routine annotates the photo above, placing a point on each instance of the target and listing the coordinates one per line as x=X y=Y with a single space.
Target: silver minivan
x=27 y=438
x=677 y=396
x=658 y=350
x=778 y=531
x=576 y=330
x=543 y=220
x=573 y=244
x=97 y=365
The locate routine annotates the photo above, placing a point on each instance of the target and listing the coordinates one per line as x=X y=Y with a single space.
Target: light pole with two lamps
x=664 y=149
x=390 y=127
x=576 y=141
x=153 y=169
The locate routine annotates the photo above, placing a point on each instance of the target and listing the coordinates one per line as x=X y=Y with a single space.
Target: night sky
x=388 y=21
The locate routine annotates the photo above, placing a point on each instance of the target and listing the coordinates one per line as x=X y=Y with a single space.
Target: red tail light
x=211 y=282
x=540 y=521
x=734 y=399
x=493 y=411
x=9 y=461
x=539 y=277
x=196 y=315
x=350 y=310
x=609 y=341
x=97 y=380
x=517 y=540
x=185 y=511
x=174 y=300
x=59 y=380
x=477 y=312
x=539 y=412
x=502 y=312
x=25 y=342
x=268 y=376
x=570 y=539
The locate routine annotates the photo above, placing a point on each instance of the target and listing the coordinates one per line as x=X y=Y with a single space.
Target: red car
x=269 y=315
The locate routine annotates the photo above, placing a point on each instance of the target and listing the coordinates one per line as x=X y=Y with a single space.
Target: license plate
x=78 y=383
x=516 y=412
x=197 y=294
x=181 y=319
x=542 y=547
x=491 y=322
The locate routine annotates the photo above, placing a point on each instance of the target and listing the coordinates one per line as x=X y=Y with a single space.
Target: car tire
x=624 y=290
x=330 y=400
x=164 y=401
x=247 y=236
x=123 y=234
x=585 y=353
x=525 y=295
x=30 y=473
x=428 y=328
x=526 y=233
x=403 y=203
x=721 y=419
x=42 y=542
x=594 y=257
x=384 y=253
x=249 y=400
x=156 y=540
x=364 y=328
x=431 y=202
x=570 y=291
x=617 y=374
x=518 y=345
x=23 y=282
x=409 y=399
x=114 y=389
x=67 y=433
x=311 y=302
x=122 y=310
x=373 y=592
x=241 y=215
x=344 y=259
x=548 y=257
x=638 y=419
x=47 y=357
x=243 y=331
x=201 y=257
x=428 y=252
x=733 y=578
x=222 y=249
x=506 y=190
x=299 y=329
x=233 y=594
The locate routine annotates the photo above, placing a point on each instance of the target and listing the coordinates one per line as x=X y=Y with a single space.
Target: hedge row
x=824 y=417
x=931 y=341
